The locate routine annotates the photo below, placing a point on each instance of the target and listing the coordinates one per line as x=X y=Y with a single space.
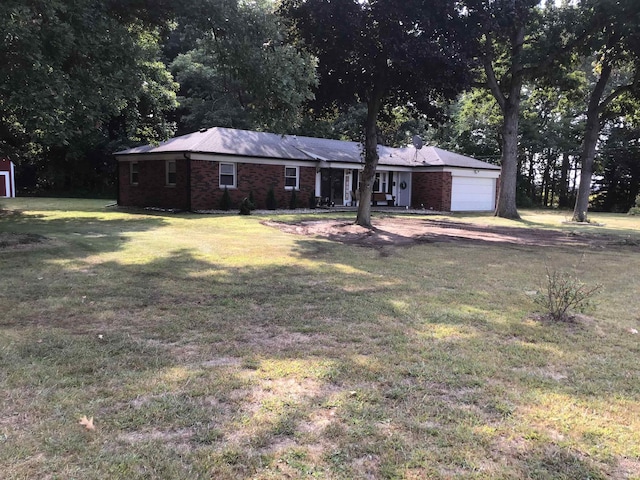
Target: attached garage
x=472 y=194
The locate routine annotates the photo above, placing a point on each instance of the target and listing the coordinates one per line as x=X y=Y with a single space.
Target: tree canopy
x=551 y=89
x=614 y=47
x=68 y=67
x=406 y=53
x=241 y=73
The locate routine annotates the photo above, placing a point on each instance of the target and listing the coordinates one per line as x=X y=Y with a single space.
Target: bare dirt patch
x=19 y=240
x=407 y=231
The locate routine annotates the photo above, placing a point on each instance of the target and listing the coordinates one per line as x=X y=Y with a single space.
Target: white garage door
x=473 y=194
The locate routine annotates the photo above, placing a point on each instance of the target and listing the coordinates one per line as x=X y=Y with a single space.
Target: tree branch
x=492 y=81
x=516 y=69
x=613 y=95
x=630 y=87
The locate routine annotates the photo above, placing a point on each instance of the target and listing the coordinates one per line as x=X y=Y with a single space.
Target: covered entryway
x=332 y=186
x=472 y=193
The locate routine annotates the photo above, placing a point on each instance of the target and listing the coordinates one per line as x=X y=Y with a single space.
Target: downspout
x=187 y=157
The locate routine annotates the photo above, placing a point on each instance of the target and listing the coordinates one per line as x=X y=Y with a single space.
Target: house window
x=291 y=178
x=227 y=175
x=133 y=173
x=171 y=172
x=381 y=182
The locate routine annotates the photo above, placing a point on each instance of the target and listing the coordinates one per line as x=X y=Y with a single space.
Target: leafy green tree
x=548 y=130
x=383 y=54
x=551 y=119
x=241 y=73
x=619 y=172
x=475 y=130
x=396 y=125
x=614 y=45
x=516 y=41
x=68 y=67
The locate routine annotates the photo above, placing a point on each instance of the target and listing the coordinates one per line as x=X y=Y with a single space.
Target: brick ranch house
x=191 y=172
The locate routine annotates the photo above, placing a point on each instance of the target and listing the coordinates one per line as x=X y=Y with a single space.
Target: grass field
x=217 y=347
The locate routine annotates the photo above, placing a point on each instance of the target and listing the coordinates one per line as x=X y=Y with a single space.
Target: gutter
x=117 y=182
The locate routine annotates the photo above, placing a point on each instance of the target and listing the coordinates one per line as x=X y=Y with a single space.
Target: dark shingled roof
x=227 y=141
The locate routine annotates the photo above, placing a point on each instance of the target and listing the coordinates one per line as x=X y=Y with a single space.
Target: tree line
x=548 y=90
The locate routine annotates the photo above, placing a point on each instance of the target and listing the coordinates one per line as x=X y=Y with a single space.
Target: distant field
x=222 y=347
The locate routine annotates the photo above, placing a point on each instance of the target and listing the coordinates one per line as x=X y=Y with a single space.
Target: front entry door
x=402 y=189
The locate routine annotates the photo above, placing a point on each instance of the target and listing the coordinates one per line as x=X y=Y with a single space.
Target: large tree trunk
x=506 y=206
x=586 y=169
x=592 y=131
x=368 y=176
x=510 y=105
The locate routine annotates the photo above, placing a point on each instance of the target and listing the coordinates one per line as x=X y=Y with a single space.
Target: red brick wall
x=259 y=178
x=431 y=189
x=307 y=186
x=251 y=178
x=152 y=190
x=206 y=193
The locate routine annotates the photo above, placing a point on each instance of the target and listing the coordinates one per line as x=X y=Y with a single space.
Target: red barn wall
x=5 y=167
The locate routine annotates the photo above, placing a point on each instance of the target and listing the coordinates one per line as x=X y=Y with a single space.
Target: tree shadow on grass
x=82 y=233
x=273 y=369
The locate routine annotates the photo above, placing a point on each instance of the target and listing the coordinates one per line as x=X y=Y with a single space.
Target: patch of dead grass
x=310 y=357
x=21 y=241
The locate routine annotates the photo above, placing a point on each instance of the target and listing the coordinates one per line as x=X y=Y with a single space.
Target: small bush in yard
x=225 y=200
x=293 y=202
x=564 y=294
x=272 y=203
x=635 y=210
x=246 y=207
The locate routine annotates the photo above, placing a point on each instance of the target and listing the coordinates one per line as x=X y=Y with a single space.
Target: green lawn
x=217 y=347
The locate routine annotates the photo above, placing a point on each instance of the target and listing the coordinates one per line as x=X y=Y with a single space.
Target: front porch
x=380 y=209
x=339 y=187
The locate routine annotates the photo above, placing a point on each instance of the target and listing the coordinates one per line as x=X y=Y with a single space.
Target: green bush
x=252 y=202
x=635 y=210
x=312 y=200
x=293 y=201
x=225 y=200
x=245 y=207
x=272 y=203
x=564 y=294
